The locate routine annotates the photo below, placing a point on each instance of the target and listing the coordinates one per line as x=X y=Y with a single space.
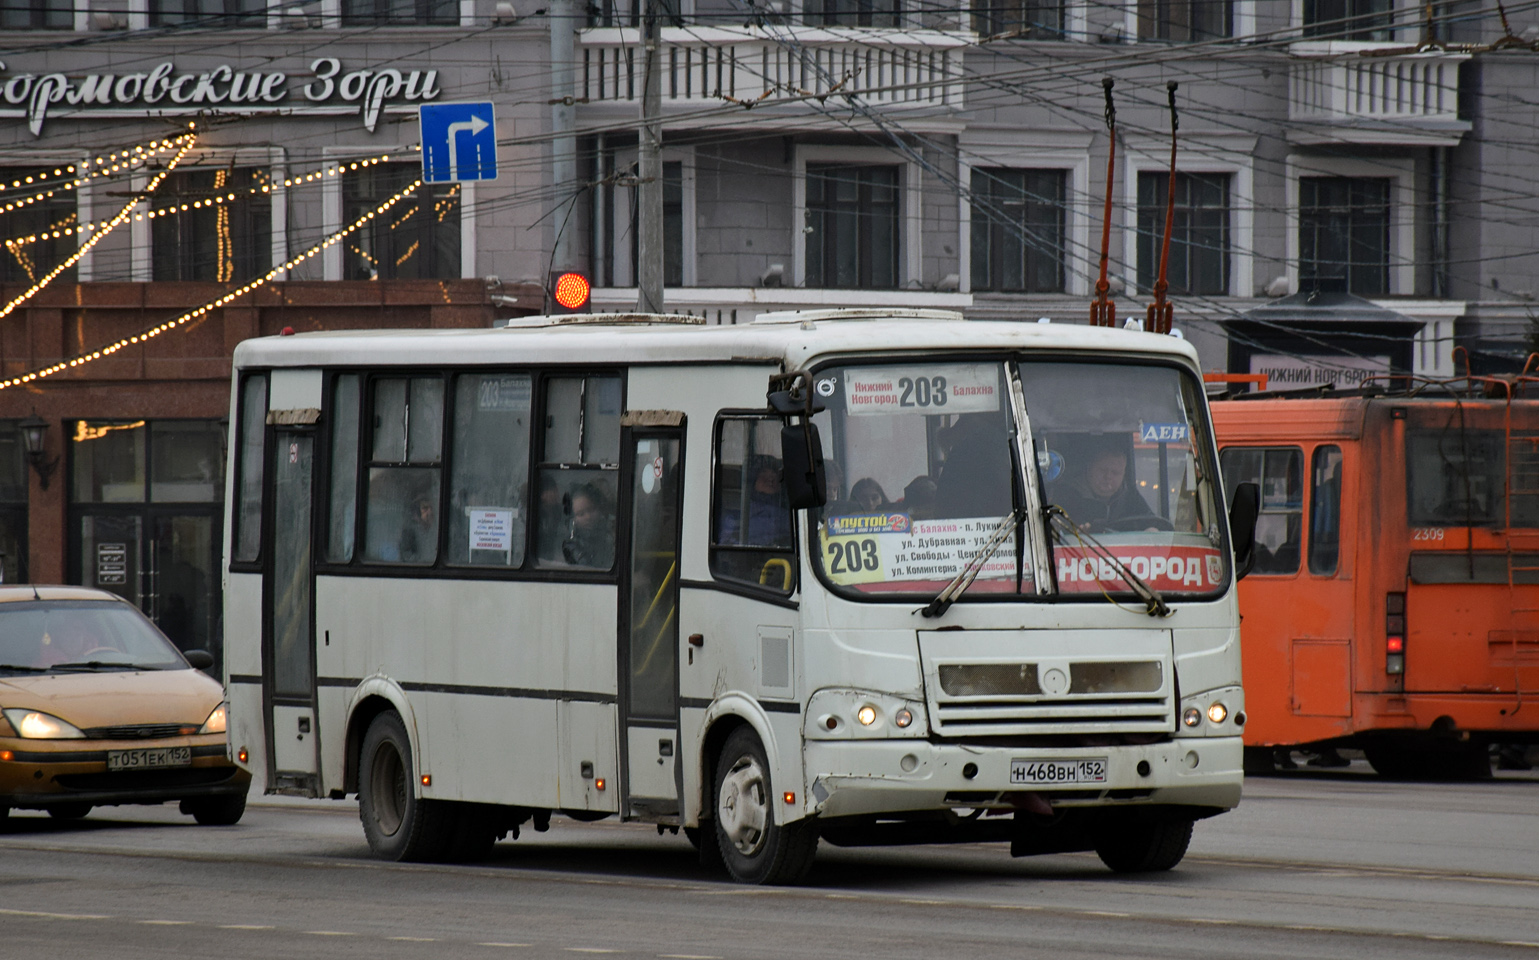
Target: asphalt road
x=1335 y=864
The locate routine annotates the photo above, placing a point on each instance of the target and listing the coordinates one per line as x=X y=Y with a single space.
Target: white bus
x=868 y=577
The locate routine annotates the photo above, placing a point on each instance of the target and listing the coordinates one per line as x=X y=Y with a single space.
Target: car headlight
x=216 y=720
x=36 y=725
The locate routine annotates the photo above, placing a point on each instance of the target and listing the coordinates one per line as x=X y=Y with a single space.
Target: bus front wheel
x=754 y=848
x=1144 y=847
x=398 y=824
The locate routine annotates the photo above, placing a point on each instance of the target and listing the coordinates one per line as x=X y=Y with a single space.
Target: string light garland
x=187 y=140
x=158 y=329
x=122 y=161
x=204 y=203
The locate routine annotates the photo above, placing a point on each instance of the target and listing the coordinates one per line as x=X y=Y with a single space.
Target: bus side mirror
x=802 y=454
x=1244 y=507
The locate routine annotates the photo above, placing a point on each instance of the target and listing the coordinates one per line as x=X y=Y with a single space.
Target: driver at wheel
x=1104 y=493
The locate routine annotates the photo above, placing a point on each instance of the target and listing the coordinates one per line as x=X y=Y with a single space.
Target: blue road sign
x=459 y=142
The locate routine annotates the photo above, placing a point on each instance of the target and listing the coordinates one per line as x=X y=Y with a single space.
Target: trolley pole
x=649 y=175
x=563 y=144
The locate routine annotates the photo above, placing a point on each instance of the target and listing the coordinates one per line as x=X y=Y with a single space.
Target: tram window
x=1279 y=471
x=343 y=499
x=1454 y=477
x=1325 y=510
x=489 y=478
x=253 y=431
x=401 y=516
x=751 y=522
x=575 y=517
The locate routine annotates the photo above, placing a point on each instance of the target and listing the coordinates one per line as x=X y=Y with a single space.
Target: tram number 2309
x=1427 y=533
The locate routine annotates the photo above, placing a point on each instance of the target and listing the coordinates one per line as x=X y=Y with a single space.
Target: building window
x=13 y=505
x=29 y=254
x=362 y=13
x=1027 y=19
x=225 y=241
x=37 y=15
x=1185 y=21
x=855 y=13
x=1018 y=229
x=1364 y=20
x=1344 y=235
x=417 y=239
x=852 y=213
x=224 y=13
x=673 y=224
x=1199 y=237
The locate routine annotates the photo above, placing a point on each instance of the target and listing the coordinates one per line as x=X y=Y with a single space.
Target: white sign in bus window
x=891 y=548
x=491 y=528
x=928 y=388
x=505 y=393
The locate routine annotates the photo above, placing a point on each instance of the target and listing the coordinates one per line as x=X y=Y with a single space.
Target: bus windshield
x=921 y=471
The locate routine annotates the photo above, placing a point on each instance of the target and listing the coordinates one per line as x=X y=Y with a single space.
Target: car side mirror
x=1244 y=507
x=199 y=659
x=802 y=454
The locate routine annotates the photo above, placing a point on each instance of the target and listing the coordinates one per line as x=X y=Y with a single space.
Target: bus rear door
x=288 y=620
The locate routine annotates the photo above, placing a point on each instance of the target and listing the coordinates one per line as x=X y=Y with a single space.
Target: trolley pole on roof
x=1103 y=311
x=649 y=174
x=563 y=123
x=1161 y=316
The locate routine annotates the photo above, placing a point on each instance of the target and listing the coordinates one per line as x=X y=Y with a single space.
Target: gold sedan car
x=98 y=708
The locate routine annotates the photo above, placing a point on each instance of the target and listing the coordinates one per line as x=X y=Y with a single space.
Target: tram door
x=649 y=622
x=288 y=620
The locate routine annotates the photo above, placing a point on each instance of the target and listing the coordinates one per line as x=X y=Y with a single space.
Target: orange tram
x=1394 y=602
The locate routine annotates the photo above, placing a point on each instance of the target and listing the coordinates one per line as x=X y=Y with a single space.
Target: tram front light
x=1192 y=717
x=866 y=715
x=1217 y=712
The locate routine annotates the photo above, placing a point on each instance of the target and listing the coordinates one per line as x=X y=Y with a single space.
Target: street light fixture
x=34 y=434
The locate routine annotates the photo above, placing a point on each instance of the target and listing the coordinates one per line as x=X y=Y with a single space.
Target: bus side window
x=752 y=538
x=1279 y=528
x=575 y=513
x=401 y=518
x=253 y=434
x=343 y=499
x=1325 y=511
x=489 y=475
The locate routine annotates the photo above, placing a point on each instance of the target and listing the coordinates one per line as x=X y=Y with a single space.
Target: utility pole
x=649 y=174
x=563 y=144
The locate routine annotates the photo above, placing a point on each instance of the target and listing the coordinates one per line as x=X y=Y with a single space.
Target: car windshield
x=920 y=473
x=44 y=636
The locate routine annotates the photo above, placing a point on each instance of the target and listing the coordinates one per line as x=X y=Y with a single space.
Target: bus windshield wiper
x=974 y=566
x=1154 y=604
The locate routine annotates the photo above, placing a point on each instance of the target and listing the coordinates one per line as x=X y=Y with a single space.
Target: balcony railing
x=755 y=66
x=1374 y=93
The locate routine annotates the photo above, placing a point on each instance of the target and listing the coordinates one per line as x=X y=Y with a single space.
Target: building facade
x=815 y=153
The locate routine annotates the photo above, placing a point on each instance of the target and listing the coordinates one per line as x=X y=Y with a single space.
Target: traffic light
x=568 y=292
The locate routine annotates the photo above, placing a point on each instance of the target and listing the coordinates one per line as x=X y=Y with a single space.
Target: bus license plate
x=152 y=758
x=1086 y=770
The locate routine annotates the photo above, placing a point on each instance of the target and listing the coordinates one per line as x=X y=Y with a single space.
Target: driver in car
x=1104 y=494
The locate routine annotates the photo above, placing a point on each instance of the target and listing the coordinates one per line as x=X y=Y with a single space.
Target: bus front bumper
x=852 y=778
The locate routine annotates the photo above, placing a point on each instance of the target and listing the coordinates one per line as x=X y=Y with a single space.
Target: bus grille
x=1053 y=715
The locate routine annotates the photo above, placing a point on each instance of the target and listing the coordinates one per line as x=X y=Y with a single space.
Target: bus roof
x=632 y=339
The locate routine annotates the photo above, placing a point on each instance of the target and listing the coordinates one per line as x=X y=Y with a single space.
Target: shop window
x=489 y=479
x=852 y=220
x=208 y=13
x=1199 y=236
x=137 y=461
x=1363 y=20
x=1185 y=21
x=1018 y=230
x=362 y=13
x=37 y=15
x=752 y=532
x=1027 y=19
x=1279 y=471
x=406 y=444
x=416 y=239
x=581 y=450
x=1325 y=510
x=855 y=13
x=13 y=504
x=1344 y=235
x=226 y=240
x=253 y=436
x=343 y=498
x=108 y=461
x=31 y=249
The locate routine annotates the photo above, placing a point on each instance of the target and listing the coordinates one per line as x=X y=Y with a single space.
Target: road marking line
x=166 y=923
x=244 y=926
x=1105 y=913
x=1518 y=943
x=55 y=916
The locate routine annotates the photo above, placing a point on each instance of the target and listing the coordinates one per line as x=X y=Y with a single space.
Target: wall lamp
x=34 y=434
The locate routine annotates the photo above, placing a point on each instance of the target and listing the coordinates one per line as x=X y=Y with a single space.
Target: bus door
x=649 y=623
x=288 y=647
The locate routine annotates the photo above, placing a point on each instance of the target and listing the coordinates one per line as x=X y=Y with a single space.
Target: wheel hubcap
x=388 y=786
x=742 y=808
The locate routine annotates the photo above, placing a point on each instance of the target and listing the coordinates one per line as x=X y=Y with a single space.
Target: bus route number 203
x=852 y=559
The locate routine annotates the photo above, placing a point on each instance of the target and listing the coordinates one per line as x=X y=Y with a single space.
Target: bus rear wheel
x=754 y=848
x=1144 y=847
x=398 y=824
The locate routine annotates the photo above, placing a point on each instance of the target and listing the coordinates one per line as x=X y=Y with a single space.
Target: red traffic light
x=570 y=291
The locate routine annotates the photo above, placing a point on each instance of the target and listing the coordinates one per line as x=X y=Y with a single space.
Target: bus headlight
x=1217 y=712
x=1192 y=717
x=844 y=714
x=866 y=715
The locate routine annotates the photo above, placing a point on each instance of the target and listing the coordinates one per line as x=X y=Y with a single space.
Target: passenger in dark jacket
x=1103 y=493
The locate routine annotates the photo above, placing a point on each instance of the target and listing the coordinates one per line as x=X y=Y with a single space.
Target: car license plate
x=1083 y=770
x=151 y=758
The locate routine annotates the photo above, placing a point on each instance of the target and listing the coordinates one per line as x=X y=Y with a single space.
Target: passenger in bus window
x=869 y=496
x=769 y=516
x=1101 y=495
x=592 y=543
x=975 y=478
x=419 y=535
x=918 y=499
